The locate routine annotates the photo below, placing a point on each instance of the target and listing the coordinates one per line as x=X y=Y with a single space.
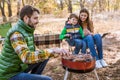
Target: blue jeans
x=98 y=42
x=79 y=44
x=90 y=44
x=27 y=76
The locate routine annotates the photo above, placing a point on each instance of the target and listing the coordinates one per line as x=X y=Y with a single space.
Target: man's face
x=33 y=20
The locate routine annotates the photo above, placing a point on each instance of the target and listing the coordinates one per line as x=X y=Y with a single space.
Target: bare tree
x=108 y=5
x=18 y=7
x=117 y=5
x=9 y=8
x=69 y=4
x=91 y=5
x=101 y=5
x=2 y=5
x=33 y=2
x=23 y=2
x=82 y=2
x=61 y=4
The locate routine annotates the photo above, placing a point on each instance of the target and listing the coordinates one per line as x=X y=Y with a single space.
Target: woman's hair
x=72 y=15
x=27 y=10
x=84 y=10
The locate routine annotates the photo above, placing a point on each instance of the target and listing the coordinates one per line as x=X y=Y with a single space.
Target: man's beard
x=30 y=24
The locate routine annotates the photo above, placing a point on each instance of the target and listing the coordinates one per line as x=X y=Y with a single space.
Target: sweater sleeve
x=63 y=33
x=20 y=46
x=81 y=32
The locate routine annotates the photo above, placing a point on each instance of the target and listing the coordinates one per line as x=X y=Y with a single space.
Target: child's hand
x=68 y=35
x=69 y=22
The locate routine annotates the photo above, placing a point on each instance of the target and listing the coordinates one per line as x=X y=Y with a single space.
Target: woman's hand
x=86 y=32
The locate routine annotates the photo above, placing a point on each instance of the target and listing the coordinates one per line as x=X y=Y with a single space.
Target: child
x=73 y=34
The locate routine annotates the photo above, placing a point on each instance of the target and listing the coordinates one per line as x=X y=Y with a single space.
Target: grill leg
x=66 y=74
x=70 y=76
x=96 y=74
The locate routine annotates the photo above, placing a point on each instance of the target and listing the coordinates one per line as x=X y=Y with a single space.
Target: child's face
x=73 y=21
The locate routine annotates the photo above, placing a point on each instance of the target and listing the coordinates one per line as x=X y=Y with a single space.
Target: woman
x=91 y=38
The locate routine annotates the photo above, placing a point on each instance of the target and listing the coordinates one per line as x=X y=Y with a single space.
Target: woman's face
x=83 y=16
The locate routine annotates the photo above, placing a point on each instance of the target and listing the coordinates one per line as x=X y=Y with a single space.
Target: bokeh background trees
x=58 y=8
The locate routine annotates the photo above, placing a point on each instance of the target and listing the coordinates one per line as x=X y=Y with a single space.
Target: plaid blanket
x=43 y=41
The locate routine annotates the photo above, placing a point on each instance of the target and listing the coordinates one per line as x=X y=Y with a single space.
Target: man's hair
x=28 y=10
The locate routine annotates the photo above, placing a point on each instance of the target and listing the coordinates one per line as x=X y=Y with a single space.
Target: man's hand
x=60 y=51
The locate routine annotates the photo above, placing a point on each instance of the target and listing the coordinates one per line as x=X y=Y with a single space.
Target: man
x=19 y=50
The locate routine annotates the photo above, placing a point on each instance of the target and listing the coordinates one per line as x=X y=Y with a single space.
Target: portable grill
x=78 y=66
x=85 y=66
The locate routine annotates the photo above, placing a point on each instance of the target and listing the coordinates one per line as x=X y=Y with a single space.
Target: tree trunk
x=108 y=2
x=23 y=3
x=116 y=6
x=82 y=2
x=69 y=6
x=9 y=8
x=101 y=5
x=18 y=7
x=2 y=4
x=61 y=4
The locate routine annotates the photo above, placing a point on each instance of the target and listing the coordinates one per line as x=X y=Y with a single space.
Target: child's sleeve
x=62 y=35
x=81 y=32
